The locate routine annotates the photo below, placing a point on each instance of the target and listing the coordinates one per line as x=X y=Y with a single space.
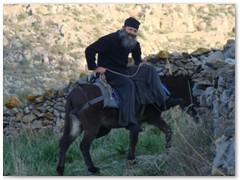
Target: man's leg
x=150 y=83
x=127 y=110
x=156 y=94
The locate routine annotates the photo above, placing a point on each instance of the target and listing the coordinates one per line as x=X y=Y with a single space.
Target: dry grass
x=191 y=154
x=36 y=154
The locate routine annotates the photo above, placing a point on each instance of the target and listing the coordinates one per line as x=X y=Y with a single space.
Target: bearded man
x=135 y=85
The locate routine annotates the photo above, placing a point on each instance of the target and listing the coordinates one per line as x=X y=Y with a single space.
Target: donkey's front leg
x=132 y=145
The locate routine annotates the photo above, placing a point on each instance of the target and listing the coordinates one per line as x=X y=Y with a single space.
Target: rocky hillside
x=43 y=44
x=214 y=88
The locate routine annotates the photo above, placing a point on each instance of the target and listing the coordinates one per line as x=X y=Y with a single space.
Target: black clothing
x=111 y=53
x=144 y=87
x=132 y=22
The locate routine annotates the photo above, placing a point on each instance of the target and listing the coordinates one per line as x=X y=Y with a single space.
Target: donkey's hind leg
x=90 y=134
x=72 y=130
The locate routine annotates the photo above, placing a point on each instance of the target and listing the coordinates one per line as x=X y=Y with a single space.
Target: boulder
x=200 y=51
x=12 y=102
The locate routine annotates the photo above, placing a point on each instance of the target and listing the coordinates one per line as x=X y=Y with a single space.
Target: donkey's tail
x=68 y=109
x=73 y=125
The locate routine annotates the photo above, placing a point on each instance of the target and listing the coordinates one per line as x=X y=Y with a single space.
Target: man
x=135 y=85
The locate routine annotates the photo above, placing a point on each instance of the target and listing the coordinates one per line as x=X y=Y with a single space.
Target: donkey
x=96 y=121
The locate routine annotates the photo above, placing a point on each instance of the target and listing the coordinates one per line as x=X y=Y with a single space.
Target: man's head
x=132 y=22
x=131 y=26
x=129 y=32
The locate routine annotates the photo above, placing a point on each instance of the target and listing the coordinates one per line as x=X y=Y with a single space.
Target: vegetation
x=24 y=62
x=23 y=96
x=37 y=24
x=36 y=153
x=22 y=17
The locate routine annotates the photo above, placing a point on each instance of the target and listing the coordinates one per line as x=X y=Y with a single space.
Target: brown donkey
x=95 y=121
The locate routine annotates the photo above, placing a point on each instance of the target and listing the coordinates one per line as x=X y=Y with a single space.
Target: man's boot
x=171 y=102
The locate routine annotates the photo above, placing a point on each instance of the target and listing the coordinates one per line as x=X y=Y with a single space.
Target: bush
x=24 y=62
x=22 y=17
x=7 y=21
x=22 y=95
x=37 y=25
x=191 y=153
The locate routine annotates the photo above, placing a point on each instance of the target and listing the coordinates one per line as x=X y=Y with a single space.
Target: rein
x=103 y=80
x=129 y=76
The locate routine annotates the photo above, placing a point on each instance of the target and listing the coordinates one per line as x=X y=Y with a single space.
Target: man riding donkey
x=135 y=85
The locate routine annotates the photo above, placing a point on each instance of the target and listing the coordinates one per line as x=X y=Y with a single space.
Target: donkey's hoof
x=168 y=146
x=59 y=174
x=59 y=171
x=132 y=162
x=94 y=170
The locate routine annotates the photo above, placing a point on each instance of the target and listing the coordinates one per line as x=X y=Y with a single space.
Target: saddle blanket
x=108 y=101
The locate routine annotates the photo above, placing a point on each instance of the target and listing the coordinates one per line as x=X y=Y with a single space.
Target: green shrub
x=22 y=95
x=37 y=25
x=26 y=44
x=37 y=58
x=22 y=17
x=24 y=62
x=7 y=21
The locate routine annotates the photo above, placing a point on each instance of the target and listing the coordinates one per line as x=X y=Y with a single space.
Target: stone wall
x=213 y=73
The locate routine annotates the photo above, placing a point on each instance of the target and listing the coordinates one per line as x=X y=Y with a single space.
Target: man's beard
x=127 y=42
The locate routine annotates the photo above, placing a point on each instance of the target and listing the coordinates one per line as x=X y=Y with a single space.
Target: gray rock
x=216 y=64
x=37 y=125
x=56 y=113
x=225 y=157
x=230 y=61
x=28 y=118
x=230 y=53
x=26 y=110
x=14 y=111
x=197 y=92
x=176 y=55
x=216 y=56
x=210 y=94
x=225 y=96
x=230 y=132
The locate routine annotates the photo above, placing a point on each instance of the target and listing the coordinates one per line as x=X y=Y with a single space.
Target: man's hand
x=100 y=70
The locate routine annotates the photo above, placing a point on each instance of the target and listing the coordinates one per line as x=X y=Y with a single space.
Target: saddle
x=109 y=95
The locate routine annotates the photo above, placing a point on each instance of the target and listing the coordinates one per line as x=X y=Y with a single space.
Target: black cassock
x=143 y=88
